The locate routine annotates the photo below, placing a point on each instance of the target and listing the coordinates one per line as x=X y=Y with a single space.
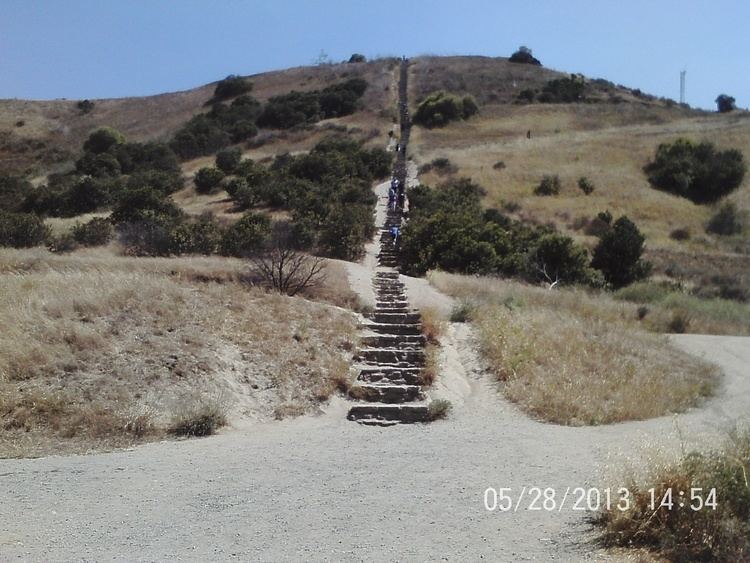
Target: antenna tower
x=682 y=86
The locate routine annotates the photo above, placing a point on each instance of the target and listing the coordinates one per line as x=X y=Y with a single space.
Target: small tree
x=725 y=103
x=102 y=140
x=585 y=185
x=357 y=58
x=550 y=185
x=22 y=230
x=727 y=220
x=207 y=178
x=246 y=236
x=287 y=270
x=228 y=160
x=231 y=86
x=524 y=56
x=618 y=254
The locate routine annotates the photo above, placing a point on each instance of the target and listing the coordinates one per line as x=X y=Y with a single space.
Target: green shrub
x=523 y=56
x=200 y=418
x=585 y=185
x=228 y=160
x=97 y=232
x=725 y=104
x=200 y=237
x=199 y=136
x=232 y=86
x=207 y=179
x=556 y=258
x=463 y=311
x=618 y=254
x=526 y=96
x=85 y=106
x=87 y=194
x=550 y=185
x=680 y=234
x=440 y=108
x=13 y=191
x=698 y=172
x=102 y=140
x=246 y=236
x=63 y=243
x=439 y=409
x=357 y=58
x=22 y=230
x=138 y=205
x=563 y=90
x=727 y=220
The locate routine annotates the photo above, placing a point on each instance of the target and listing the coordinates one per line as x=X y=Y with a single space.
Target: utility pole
x=682 y=86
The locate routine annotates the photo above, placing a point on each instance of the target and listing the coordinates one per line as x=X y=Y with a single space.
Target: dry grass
x=608 y=143
x=573 y=358
x=682 y=534
x=433 y=324
x=54 y=130
x=92 y=342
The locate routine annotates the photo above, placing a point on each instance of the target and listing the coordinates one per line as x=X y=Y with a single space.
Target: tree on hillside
x=232 y=86
x=618 y=254
x=524 y=56
x=357 y=58
x=697 y=171
x=725 y=103
x=102 y=140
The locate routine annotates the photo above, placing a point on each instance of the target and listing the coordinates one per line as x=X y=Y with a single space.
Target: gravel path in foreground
x=325 y=489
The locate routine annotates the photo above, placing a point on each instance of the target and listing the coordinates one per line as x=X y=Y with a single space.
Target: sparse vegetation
x=135 y=339
x=727 y=220
x=596 y=365
x=697 y=171
x=550 y=185
x=202 y=416
x=718 y=531
x=585 y=185
x=439 y=409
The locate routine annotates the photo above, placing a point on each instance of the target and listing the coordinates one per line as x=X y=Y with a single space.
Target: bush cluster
x=22 y=230
x=327 y=192
x=440 y=108
x=697 y=171
x=303 y=108
x=225 y=124
x=13 y=190
x=727 y=220
x=550 y=185
x=108 y=168
x=232 y=86
x=563 y=90
x=448 y=229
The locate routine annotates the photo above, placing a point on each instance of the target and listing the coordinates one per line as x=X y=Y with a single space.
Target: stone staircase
x=393 y=348
x=390 y=360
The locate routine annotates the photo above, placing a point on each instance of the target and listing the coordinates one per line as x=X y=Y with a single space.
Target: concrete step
x=392 y=356
x=396 y=318
x=400 y=341
x=379 y=412
x=387 y=275
x=386 y=393
x=390 y=328
x=407 y=376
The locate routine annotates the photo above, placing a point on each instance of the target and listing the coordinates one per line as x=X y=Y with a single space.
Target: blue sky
x=112 y=48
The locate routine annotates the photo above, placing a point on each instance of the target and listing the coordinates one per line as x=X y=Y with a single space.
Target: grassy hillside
x=608 y=139
x=37 y=135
